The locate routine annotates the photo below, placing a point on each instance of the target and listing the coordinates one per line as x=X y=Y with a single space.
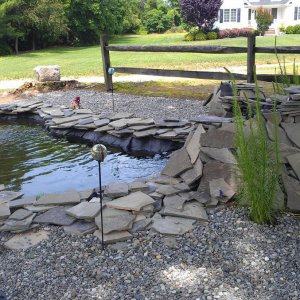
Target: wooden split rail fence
x=251 y=50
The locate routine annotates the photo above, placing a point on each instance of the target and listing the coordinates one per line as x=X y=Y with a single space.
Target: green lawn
x=86 y=61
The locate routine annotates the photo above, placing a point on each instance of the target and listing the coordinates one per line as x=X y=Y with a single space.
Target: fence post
x=251 y=58
x=105 y=62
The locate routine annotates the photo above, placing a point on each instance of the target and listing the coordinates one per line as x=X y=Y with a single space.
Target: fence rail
x=251 y=50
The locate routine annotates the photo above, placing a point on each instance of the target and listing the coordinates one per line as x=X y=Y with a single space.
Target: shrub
x=176 y=29
x=212 y=35
x=200 y=36
x=264 y=19
x=289 y=30
x=5 y=49
x=233 y=33
x=194 y=30
x=282 y=28
x=189 y=37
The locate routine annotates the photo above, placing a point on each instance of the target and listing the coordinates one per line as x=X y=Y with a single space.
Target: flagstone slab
x=81 y=228
x=103 y=128
x=84 y=210
x=278 y=203
x=172 y=225
x=282 y=136
x=292 y=188
x=144 y=133
x=214 y=170
x=4 y=210
x=178 y=163
x=73 y=118
x=174 y=201
x=211 y=119
x=292 y=130
x=216 y=138
x=113 y=237
x=135 y=201
x=167 y=190
x=70 y=197
x=6 y=196
x=138 y=186
x=194 y=174
x=140 y=225
x=191 y=210
x=39 y=208
x=115 y=223
x=18 y=225
x=221 y=190
x=101 y=122
x=121 y=115
x=162 y=179
x=22 y=202
x=26 y=240
x=119 y=124
x=83 y=111
x=286 y=151
x=141 y=127
x=84 y=195
x=223 y=154
x=55 y=216
x=115 y=190
x=20 y=214
x=294 y=161
x=194 y=145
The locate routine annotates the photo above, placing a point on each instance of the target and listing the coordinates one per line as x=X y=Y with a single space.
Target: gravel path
x=228 y=258
x=155 y=107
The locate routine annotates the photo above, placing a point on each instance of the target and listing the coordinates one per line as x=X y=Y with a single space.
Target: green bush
x=212 y=35
x=200 y=36
x=289 y=30
x=194 y=30
x=297 y=29
x=189 y=37
x=5 y=49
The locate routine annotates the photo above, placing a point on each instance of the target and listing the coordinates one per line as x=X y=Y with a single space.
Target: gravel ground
x=154 y=107
x=228 y=258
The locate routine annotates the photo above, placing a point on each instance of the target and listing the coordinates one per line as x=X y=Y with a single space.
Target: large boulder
x=47 y=73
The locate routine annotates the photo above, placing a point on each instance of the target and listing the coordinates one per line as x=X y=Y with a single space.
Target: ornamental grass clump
x=258 y=163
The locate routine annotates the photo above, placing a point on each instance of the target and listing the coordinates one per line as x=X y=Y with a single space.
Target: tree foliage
x=201 y=13
x=264 y=19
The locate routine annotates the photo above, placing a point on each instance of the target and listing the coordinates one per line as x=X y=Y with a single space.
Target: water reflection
x=35 y=163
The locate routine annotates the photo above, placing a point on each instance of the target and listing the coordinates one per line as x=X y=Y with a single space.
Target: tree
x=201 y=13
x=264 y=19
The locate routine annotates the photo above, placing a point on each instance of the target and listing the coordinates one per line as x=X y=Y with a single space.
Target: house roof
x=268 y=2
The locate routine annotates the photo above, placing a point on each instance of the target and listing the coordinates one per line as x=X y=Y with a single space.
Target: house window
x=230 y=15
x=297 y=13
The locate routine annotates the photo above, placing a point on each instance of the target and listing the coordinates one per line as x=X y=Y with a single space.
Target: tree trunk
x=33 y=42
x=17 y=45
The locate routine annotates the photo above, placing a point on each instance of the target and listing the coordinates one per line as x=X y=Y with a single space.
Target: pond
x=34 y=163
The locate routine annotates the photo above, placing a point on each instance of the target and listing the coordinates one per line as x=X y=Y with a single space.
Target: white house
x=242 y=13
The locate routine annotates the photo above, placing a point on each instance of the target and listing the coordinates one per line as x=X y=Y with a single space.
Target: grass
x=86 y=61
x=258 y=167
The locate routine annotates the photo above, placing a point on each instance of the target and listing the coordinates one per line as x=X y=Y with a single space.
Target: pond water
x=35 y=163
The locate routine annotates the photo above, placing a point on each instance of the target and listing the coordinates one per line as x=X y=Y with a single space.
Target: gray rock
x=224 y=155
x=193 y=146
x=39 y=208
x=140 y=225
x=83 y=111
x=115 y=190
x=166 y=180
x=220 y=190
x=292 y=130
x=214 y=170
x=81 y=228
x=84 y=210
x=103 y=128
x=113 y=237
x=294 y=161
x=19 y=225
x=22 y=202
x=191 y=210
x=4 y=211
x=292 y=188
x=145 y=133
x=119 y=124
x=175 y=202
x=278 y=203
x=20 y=214
x=216 y=138
x=121 y=115
x=85 y=195
x=101 y=122
x=55 y=216
x=135 y=201
x=138 y=186
x=71 y=119
x=47 y=73
x=26 y=240
x=178 y=163
x=282 y=136
x=211 y=119
x=167 y=190
x=6 y=196
x=2 y=187
x=286 y=150
x=192 y=175
x=70 y=197
x=172 y=225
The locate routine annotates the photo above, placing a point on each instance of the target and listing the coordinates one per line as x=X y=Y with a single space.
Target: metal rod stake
x=101 y=204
